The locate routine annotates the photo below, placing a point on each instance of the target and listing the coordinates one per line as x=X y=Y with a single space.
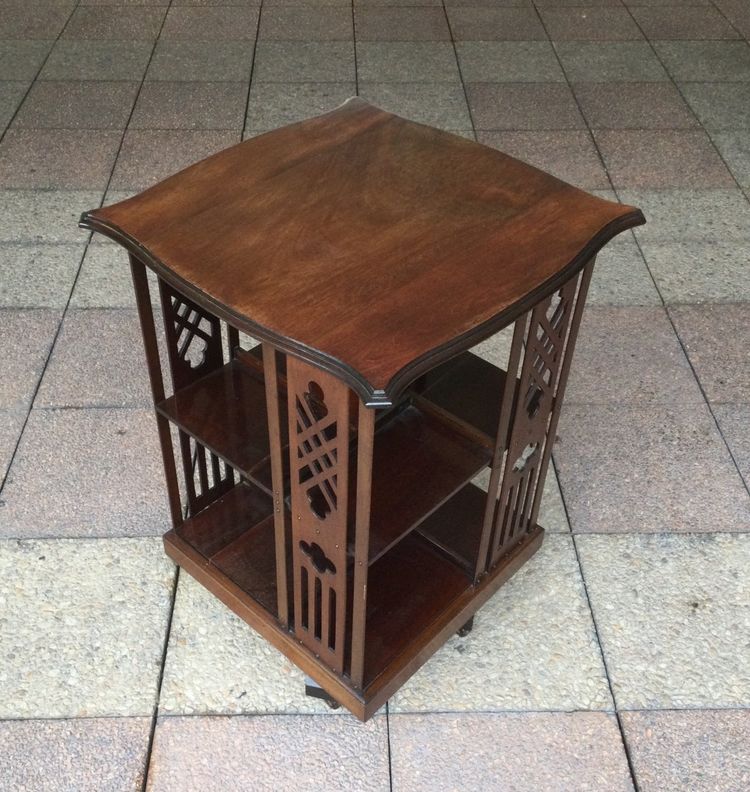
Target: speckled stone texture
x=216 y=663
x=716 y=339
x=629 y=355
x=687 y=215
x=11 y=423
x=697 y=751
x=673 y=614
x=26 y=337
x=530 y=752
x=266 y=754
x=82 y=755
x=98 y=361
x=621 y=277
x=37 y=276
x=532 y=647
x=625 y=468
x=104 y=280
x=694 y=272
x=44 y=215
x=91 y=472
x=84 y=625
x=734 y=422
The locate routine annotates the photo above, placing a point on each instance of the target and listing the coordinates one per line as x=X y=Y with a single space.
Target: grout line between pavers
x=635 y=237
x=21 y=431
x=160 y=681
x=388 y=743
x=354 y=45
x=66 y=307
x=252 y=71
x=666 y=306
x=625 y=747
x=676 y=86
x=460 y=73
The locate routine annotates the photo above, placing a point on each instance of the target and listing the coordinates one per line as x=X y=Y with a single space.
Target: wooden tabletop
x=367 y=244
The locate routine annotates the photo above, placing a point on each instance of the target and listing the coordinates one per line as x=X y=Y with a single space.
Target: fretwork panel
x=319 y=470
x=194 y=349
x=544 y=336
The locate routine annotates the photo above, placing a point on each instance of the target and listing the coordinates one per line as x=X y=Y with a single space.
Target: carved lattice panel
x=193 y=337
x=319 y=469
x=544 y=335
x=194 y=349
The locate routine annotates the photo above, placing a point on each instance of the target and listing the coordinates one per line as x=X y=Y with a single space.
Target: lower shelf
x=418 y=592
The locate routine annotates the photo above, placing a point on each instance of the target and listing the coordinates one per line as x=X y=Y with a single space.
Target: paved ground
x=619 y=657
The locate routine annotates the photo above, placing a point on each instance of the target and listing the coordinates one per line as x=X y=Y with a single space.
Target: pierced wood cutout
x=319 y=467
x=545 y=340
x=194 y=348
x=193 y=337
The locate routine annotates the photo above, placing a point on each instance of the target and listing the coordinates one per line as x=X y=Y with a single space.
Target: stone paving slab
x=629 y=469
x=673 y=613
x=26 y=337
x=98 y=361
x=629 y=355
x=86 y=472
x=44 y=215
x=266 y=754
x=621 y=276
x=80 y=755
x=716 y=340
x=217 y=664
x=691 y=215
x=698 y=272
x=529 y=752
x=105 y=282
x=698 y=751
x=84 y=626
x=38 y=276
x=734 y=420
x=11 y=423
x=533 y=647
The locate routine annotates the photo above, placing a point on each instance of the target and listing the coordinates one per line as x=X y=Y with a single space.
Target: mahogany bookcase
x=320 y=481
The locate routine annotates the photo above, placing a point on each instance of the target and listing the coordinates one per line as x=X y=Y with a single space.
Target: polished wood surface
x=419 y=243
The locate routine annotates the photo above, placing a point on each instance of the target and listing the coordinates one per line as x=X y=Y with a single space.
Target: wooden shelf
x=226 y=412
x=419 y=461
x=456 y=527
x=468 y=390
x=408 y=589
x=235 y=535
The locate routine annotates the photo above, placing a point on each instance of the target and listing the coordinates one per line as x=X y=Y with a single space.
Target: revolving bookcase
x=321 y=416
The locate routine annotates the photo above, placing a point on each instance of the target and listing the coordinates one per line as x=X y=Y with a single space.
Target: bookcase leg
x=466 y=628
x=314 y=690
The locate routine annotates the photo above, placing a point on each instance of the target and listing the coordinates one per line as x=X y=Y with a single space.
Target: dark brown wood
x=368 y=254
x=365 y=440
x=212 y=529
x=151 y=348
x=226 y=412
x=277 y=477
x=409 y=446
x=431 y=242
x=456 y=527
x=318 y=409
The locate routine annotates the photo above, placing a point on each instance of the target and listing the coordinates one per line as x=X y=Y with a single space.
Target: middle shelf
x=425 y=450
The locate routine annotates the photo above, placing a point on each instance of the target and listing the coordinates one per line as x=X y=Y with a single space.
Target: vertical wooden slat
x=501 y=438
x=151 y=347
x=277 y=479
x=365 y=438
x=562 y=381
